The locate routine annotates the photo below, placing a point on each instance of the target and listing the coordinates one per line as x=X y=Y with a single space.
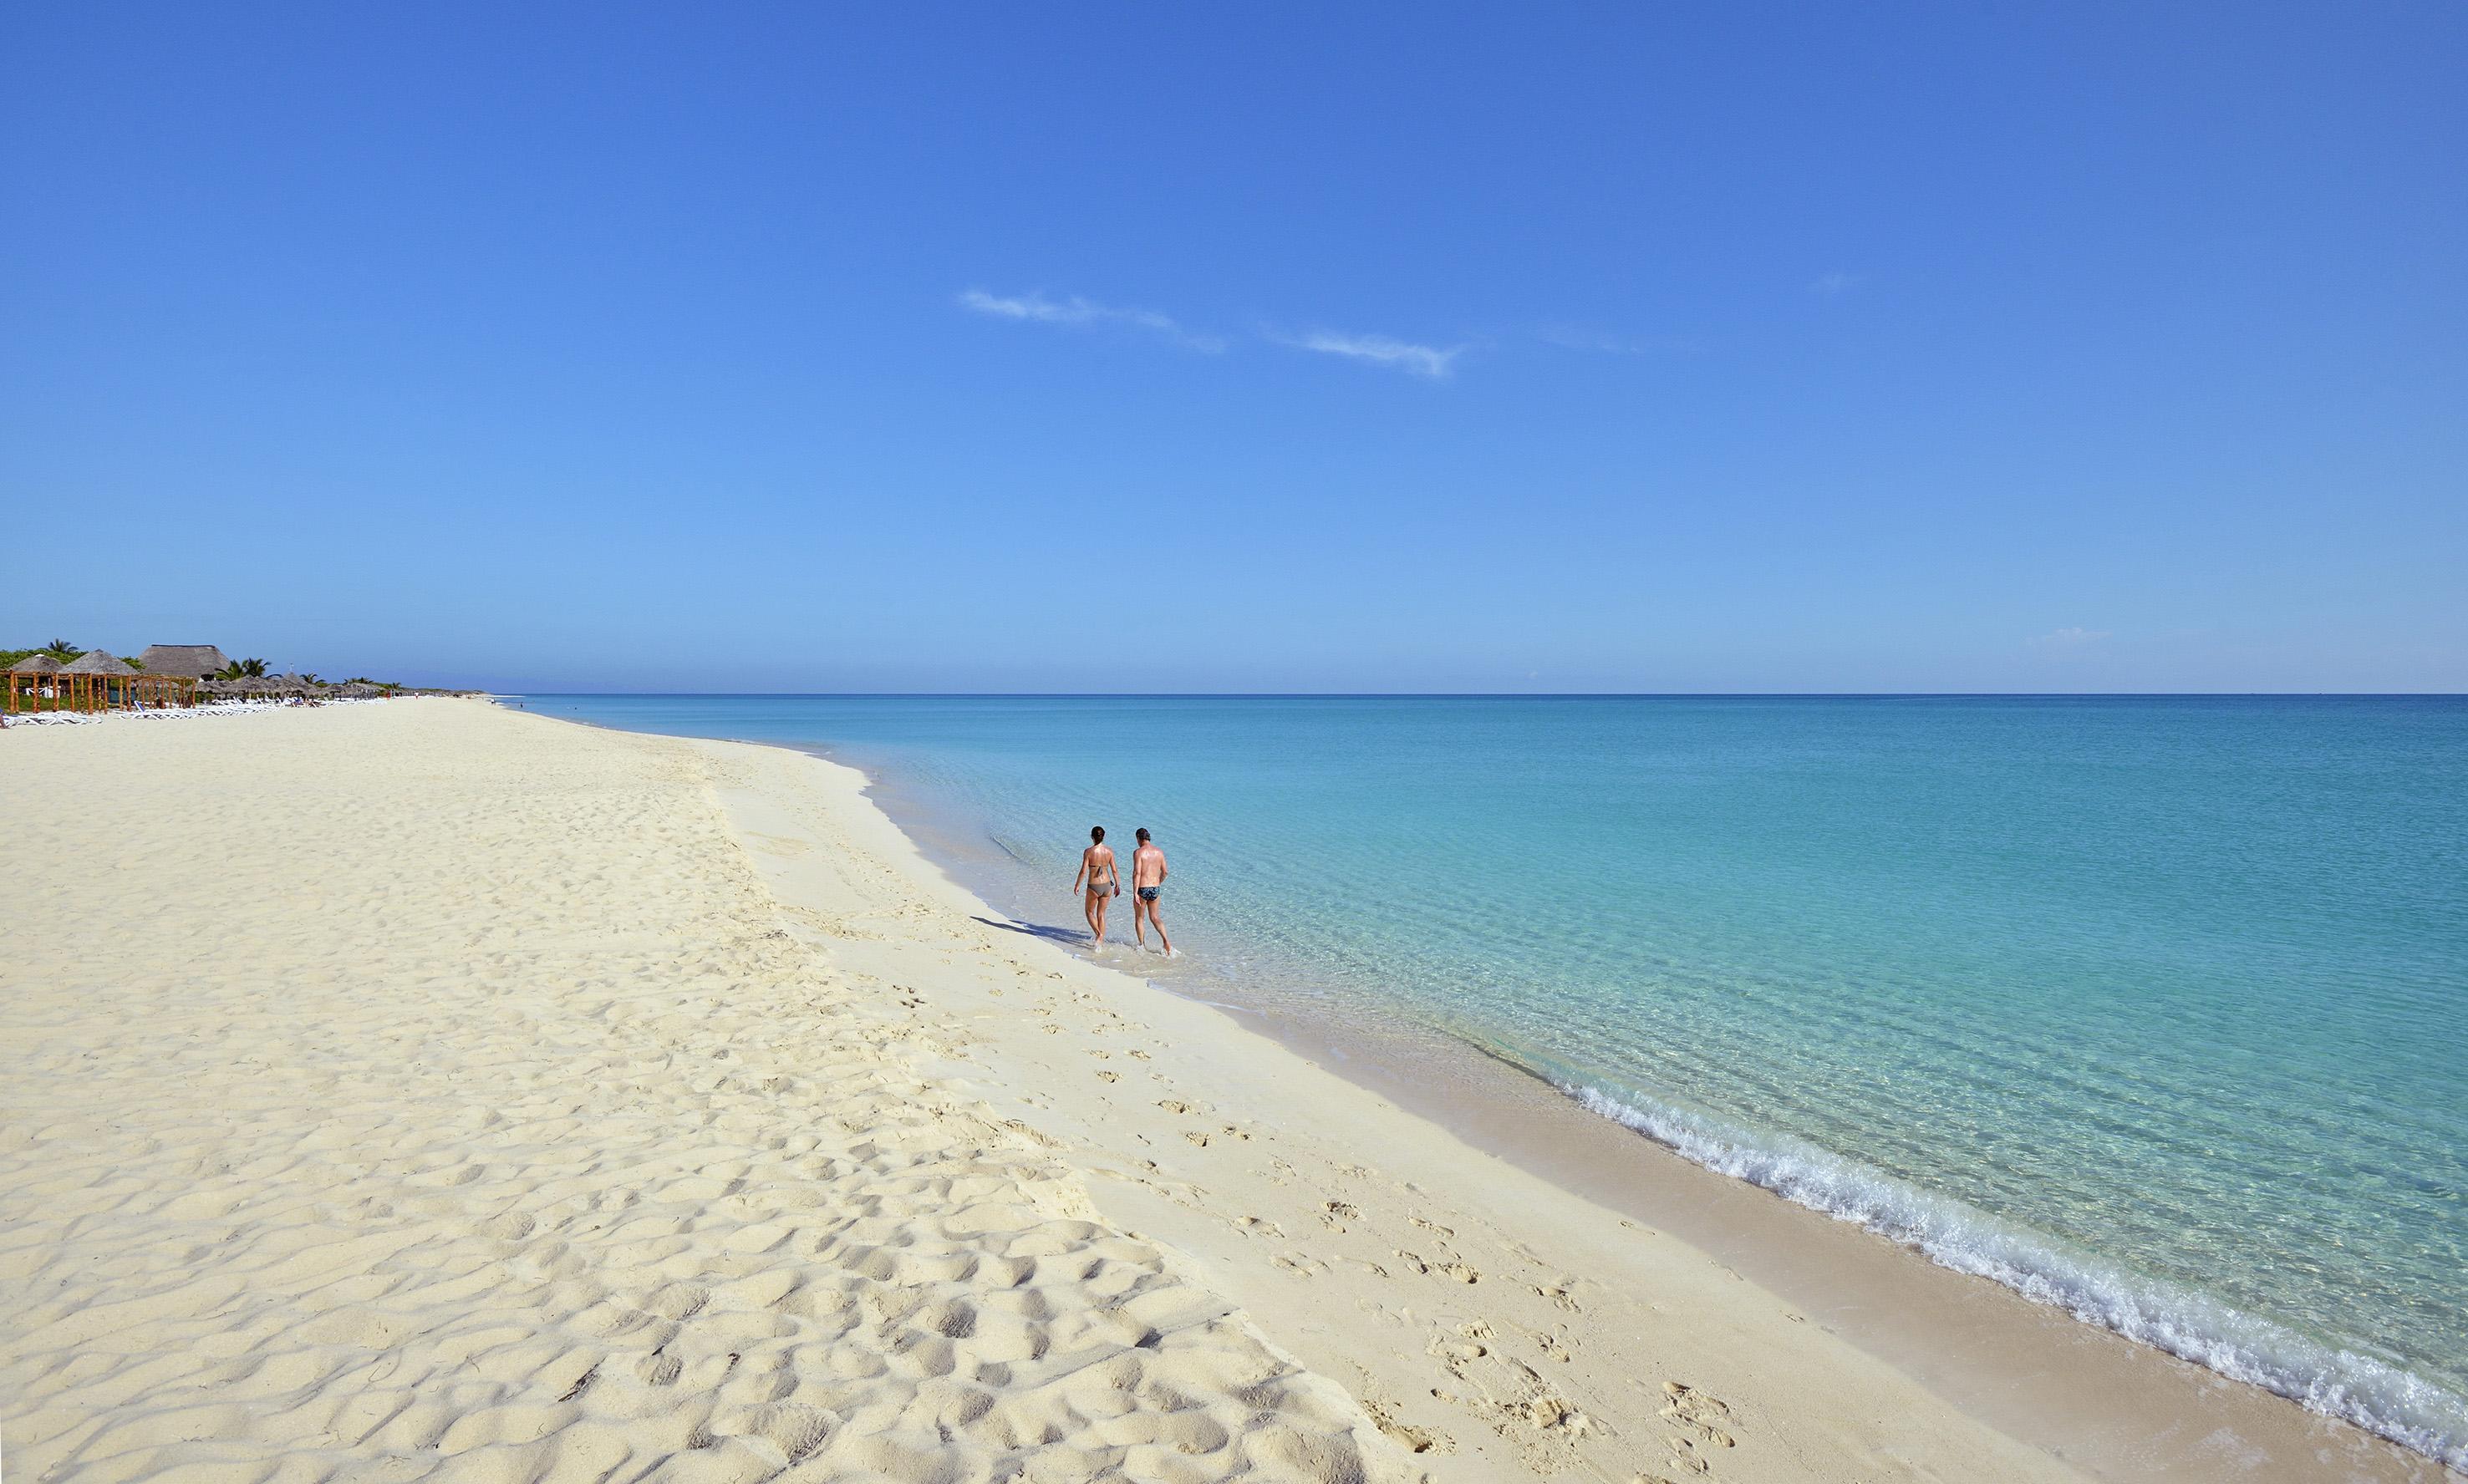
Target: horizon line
x=1500 y=695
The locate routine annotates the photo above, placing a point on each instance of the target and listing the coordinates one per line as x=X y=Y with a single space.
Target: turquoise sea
x=2153 y=1008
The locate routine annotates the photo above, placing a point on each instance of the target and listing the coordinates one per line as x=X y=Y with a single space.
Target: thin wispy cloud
x=1430 y=361
x=1078 y=314
x=1830 y=285
x=1602 y=342
x=2067 y=640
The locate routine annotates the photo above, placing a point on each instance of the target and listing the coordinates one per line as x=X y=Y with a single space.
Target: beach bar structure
x=96 y=680
x=197 y=661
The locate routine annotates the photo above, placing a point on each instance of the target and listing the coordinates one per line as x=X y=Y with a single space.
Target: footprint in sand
x=1698 y=1412
x=1460 y=1271
x=1548 y=1411
x=1415 y=1440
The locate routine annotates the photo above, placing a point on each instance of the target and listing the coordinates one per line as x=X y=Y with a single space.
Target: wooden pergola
x=106 y=684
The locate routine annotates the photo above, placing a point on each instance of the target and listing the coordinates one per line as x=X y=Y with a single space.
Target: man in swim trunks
x=1105 y=884
x=1148 y=879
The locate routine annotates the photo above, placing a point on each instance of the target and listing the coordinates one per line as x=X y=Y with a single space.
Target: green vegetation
x=240 y=667
x=59 y=649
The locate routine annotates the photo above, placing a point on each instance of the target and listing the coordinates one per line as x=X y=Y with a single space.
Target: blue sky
x=1144 y=348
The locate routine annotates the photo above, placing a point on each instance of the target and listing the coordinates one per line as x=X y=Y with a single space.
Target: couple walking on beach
x=1106 y=882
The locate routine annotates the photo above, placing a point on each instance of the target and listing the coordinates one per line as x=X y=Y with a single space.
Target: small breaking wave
x=2380 y=1397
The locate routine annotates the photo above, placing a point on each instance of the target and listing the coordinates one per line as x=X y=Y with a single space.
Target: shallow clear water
x=2153 y=1008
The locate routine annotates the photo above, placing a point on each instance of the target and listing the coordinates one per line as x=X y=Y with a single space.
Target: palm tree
x=62 y=650
x=241 y=667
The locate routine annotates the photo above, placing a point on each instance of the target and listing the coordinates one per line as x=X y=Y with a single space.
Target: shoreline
x=1981 y=1343
x=2067 y=1385
x=1980 y=1352
x=708 y=1060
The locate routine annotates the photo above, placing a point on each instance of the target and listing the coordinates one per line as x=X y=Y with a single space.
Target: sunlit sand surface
x=429 y=1090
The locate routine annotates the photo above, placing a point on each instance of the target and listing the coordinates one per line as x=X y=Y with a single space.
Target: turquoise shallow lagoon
x=2153 y=1008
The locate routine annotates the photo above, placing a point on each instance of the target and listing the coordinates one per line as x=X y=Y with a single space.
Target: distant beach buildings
x=196 y=661
x=96 y=680
x=62 y=676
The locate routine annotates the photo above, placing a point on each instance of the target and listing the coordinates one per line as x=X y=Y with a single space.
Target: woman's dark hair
x=1142 y=836
x=1097 y=833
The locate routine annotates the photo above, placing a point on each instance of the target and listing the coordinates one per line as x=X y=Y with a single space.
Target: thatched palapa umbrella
x=94 y=680
x=30 y=681
x=98 y=662
x=192 y=661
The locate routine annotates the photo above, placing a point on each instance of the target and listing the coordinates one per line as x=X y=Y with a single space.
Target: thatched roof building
x=98 y=662
x=96 y=680
x=197 y=661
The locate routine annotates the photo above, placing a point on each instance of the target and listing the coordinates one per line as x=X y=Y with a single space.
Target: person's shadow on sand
x=1044 y=930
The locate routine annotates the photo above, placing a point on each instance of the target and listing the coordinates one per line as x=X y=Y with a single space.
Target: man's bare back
x=1147 y=883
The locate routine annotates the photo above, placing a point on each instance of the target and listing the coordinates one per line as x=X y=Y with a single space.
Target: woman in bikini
x=1105 y=884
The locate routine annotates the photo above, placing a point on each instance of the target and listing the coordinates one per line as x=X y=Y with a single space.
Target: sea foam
x=2382 y=1399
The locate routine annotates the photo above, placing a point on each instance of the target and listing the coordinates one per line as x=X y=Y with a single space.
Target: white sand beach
x=424 y=1089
